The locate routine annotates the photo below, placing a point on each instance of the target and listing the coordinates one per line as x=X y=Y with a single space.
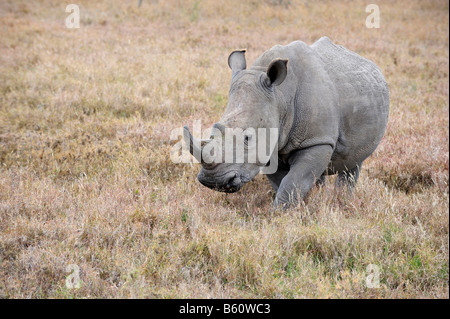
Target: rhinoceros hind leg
x=276 y=178
x=321 y=181
x=349 y=177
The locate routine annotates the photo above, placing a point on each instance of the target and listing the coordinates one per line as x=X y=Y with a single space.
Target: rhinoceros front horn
x=195 y=146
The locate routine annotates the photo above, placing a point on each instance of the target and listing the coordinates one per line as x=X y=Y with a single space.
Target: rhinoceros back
x=363 y=102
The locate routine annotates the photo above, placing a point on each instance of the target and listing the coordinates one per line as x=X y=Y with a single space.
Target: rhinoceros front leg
x=306 y=166
x=276 y=178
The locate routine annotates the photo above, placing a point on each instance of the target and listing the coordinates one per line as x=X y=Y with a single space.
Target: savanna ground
x=86 y=176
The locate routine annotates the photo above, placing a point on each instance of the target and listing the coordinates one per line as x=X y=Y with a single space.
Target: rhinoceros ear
x=277 y=71
x=236 y=61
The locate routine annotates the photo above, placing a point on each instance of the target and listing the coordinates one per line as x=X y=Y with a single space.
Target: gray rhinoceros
x=331 y=108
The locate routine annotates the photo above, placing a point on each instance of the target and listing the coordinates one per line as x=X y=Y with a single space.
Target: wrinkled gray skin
x=331 y=107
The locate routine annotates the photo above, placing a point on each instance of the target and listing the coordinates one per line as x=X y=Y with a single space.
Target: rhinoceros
x=329 y=104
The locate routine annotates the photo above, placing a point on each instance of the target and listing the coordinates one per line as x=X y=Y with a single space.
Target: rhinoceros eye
x=247 y=138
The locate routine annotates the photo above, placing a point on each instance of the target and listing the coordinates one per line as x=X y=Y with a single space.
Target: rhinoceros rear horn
x=236 y=61
x=277 y=71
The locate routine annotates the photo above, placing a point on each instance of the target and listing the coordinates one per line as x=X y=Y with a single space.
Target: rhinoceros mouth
x=224 y=189
x=228 y=183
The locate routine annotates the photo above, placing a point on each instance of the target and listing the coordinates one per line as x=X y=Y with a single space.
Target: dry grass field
x=86 y=176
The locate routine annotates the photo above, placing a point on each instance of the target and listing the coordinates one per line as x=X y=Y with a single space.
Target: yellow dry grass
x=86 y=176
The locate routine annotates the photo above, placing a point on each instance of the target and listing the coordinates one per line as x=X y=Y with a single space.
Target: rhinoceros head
x=252 y=105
